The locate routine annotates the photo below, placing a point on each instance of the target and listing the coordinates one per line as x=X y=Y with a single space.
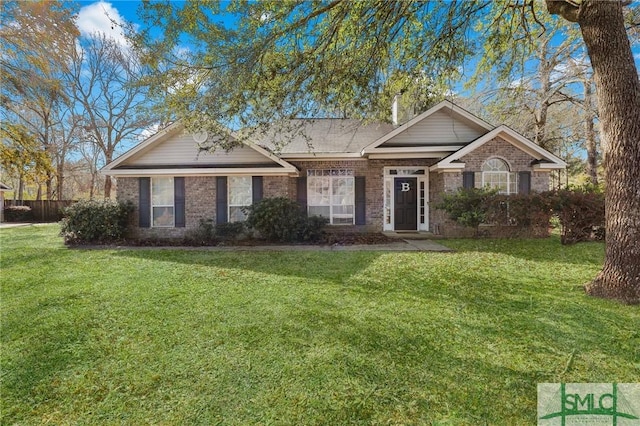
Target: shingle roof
x=323 y=135
x=4 y=187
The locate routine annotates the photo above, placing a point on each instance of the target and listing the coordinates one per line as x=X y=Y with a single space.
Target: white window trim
x=173 y=205
x=340 y=173
x=423 y=202
x=229 y=205
x=508 y=173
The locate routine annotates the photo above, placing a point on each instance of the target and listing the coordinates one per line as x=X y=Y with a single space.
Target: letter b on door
x=405 y=187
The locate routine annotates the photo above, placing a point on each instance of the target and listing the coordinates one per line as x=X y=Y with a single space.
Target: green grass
x=146 y=336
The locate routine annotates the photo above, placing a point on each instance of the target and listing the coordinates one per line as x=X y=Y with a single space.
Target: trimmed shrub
x=513 y=215
x=208 y=233
x=93 y=221
x=530 y=213
x=204 y=234
x=580 y=212
x=282 y=220
x=313 y=229
x=229 y=230
x=467 y=206
x=18 y=214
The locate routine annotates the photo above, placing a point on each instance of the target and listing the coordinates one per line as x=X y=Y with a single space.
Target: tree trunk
x=108 y=157
x=93 y=185
x=60 y=182
x=107 y=187
x=541 y=126
x=21 y=189
x=49 y=186
x=544 y=75
x=60 y=188
x=589 y=132
x=618 y=91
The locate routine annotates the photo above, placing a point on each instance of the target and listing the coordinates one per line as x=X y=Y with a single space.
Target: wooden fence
x=42 y=210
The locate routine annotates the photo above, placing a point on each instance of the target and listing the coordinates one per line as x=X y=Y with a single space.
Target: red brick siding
x=518 y=160
x=200 y=192
x=373 y=171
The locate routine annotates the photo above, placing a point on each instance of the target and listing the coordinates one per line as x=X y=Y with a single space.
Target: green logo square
x=567 y=404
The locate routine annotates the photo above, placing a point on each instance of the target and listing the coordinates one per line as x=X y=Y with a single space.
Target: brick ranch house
x=369 y=177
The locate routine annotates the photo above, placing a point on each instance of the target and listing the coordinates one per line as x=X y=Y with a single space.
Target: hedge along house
x=3 y=189
x=369 y=177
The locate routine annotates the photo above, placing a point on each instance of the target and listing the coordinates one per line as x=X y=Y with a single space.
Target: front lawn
x=148 y=336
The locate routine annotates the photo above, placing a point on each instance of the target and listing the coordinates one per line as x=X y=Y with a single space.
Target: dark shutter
x=468 y=180
x=302 y=192
x=221 y=199
x=178 y=197
x=361 y=201
x=256 y=186
x=144 y=207
x=524 y=182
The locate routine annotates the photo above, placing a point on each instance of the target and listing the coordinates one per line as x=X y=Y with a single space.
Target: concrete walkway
x=4 y=225
x=427 y=245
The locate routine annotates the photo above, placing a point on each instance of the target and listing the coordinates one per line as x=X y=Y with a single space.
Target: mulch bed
x=338 y=239
x=352 y=238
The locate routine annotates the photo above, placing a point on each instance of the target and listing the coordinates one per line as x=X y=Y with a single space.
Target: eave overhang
x=544 y=159
x=202 y=171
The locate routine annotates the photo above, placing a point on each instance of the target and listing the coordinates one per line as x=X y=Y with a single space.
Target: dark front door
x=406 y=204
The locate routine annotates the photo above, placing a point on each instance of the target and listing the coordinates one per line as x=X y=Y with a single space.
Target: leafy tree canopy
x=273 y=60
x=35 y=37
x=20 y=153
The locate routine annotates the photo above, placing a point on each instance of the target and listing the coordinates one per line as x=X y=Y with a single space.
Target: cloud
x=101 y=17
x=518 y=82
x=148 y=131
x=182 y=52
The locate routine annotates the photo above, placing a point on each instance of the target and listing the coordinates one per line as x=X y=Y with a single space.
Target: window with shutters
x=495 y=174
x=331 y=194
x=240 y=196
x=162 y=202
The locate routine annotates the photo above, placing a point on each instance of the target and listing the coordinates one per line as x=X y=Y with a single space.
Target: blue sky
x=94 y=17
x=97 y=16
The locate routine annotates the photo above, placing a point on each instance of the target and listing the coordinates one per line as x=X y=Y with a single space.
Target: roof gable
x=175 y=149
x=544 y=159
x=445 y=124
